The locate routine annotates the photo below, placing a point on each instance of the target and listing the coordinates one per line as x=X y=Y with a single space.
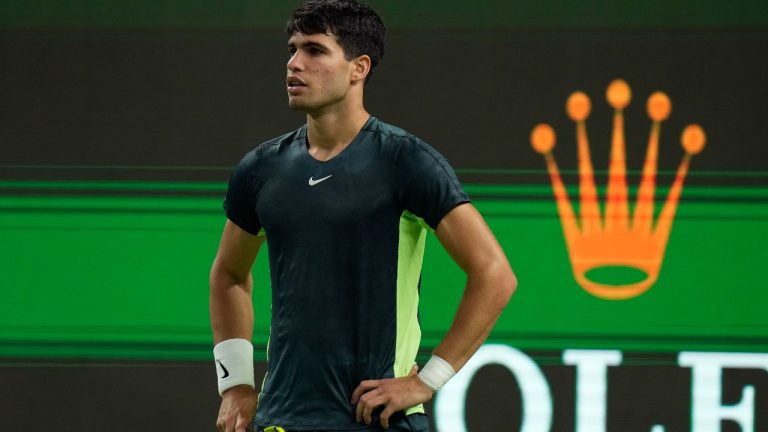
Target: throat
x=326 y=153
x=327 y=139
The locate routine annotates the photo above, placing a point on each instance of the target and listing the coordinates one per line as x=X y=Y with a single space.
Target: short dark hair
x=358 y=28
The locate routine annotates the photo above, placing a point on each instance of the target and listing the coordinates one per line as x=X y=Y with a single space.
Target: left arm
x=490 y=283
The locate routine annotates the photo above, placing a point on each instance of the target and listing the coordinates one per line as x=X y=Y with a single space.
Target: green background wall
x=126 y=276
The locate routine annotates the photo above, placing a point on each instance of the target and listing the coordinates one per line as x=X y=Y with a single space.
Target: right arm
x=231 y=309
x=231 y=284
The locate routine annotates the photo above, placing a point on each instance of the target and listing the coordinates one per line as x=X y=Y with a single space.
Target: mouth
x=294 y=83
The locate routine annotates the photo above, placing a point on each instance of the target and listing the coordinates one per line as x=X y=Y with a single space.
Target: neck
x=330 y=132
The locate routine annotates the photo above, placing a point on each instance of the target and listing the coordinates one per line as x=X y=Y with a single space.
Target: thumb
x=414 y=370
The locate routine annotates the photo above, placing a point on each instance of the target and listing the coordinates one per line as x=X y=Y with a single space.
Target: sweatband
x=234 y=363
x=436 y=373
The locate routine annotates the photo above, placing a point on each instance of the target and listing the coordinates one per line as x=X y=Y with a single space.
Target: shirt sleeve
x=240 y=202
x=427 y=184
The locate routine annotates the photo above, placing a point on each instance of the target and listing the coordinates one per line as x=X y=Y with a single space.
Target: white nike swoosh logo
x=313 y=182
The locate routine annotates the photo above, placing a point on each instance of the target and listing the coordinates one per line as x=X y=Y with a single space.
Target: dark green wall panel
x=399 y=13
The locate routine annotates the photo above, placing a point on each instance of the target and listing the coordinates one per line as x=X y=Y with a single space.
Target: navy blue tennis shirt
x=346 y=241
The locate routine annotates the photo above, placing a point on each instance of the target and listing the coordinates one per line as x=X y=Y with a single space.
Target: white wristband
x=234 y=363
x=436 y=373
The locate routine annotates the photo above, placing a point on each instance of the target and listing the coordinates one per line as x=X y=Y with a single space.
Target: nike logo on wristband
x=226 y=372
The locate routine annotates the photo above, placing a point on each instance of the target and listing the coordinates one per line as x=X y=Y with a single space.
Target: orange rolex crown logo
x=612 y=237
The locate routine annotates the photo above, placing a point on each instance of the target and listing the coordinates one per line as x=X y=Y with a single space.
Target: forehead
x=328 y=40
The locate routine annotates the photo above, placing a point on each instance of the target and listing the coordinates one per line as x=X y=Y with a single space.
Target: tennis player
x=345 y=203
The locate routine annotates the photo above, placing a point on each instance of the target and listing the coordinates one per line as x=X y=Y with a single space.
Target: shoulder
x=400 y=141
x=271 y=148
x=389 y=133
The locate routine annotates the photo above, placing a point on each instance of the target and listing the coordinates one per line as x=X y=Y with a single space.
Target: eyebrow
x=308 y=44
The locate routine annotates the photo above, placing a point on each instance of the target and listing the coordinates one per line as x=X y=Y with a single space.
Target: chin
x=296 y=105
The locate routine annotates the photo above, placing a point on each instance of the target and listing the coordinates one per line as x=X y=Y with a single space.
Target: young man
x=342 y=202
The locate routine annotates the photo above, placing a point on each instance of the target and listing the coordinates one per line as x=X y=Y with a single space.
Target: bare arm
x=231 y=311
x=490 y=282
x=232 y=284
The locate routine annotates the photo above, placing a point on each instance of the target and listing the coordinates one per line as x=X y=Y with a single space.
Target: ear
x=361 y=66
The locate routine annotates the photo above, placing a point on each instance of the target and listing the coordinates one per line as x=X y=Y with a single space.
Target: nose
x=294 y=63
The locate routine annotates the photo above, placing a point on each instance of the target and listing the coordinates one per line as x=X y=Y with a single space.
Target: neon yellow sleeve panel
x=413 y=237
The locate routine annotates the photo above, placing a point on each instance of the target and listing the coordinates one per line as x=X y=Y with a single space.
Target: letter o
x=537 y=399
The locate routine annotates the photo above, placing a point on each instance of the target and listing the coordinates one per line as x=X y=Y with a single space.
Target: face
x=318 y=74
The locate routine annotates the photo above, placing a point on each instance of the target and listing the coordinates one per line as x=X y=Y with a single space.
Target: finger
x=229 y=426
x=359 y=410
x=221 y=424
x=356 y=394
x=364 y=387
x=363 y=402
x=371 y=405
x=241 y=424
x=221 y=420
x=385 y=415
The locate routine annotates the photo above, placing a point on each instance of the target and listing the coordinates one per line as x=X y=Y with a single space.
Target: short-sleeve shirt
x=346 y=240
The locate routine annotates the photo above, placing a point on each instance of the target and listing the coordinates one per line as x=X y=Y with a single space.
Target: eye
x=291 y=50
x=315 y=51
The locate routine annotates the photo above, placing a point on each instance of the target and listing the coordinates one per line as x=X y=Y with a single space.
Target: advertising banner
x=620 y=161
